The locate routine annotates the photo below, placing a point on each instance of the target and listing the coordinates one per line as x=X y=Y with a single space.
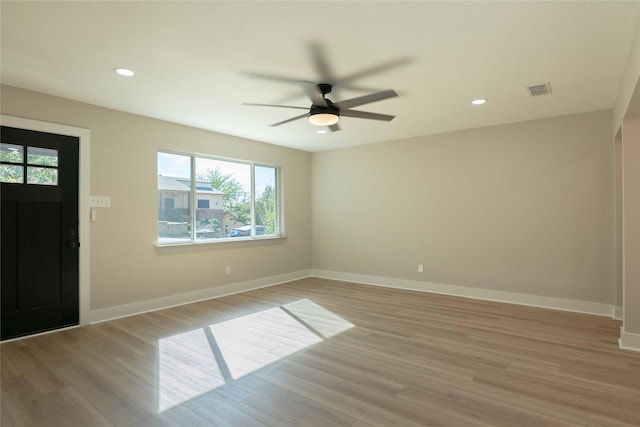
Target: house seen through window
x=202 y=198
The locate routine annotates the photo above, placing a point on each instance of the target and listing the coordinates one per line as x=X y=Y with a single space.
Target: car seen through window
x=246 y=231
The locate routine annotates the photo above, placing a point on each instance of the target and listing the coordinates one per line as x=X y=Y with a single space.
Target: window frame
x=193 y=240
x=203 y=202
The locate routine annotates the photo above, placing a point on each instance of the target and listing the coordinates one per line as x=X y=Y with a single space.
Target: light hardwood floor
x=325 y=353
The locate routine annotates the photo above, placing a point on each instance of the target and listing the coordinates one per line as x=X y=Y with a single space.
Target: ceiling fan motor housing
x=329 y=109
x=325 y=88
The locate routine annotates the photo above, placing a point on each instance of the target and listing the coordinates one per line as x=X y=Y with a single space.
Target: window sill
x=172 y=246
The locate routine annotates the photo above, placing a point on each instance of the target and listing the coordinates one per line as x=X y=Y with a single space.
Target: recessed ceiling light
x=321 y=131
x=124 y=72
x=478 y=101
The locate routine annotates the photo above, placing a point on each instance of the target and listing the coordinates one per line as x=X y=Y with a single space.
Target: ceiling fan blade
x=289 y=120
x=343 y=82
x=319 y=57
x=366 y=99
x=274 y=105
x=366 y=115
x=334 y=128
x=315 y=94
x=275 y=78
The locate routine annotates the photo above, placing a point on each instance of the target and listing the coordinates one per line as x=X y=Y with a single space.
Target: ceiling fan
x=324 y=112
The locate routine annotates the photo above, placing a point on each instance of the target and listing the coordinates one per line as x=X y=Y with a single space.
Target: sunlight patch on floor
x=187 y=368
x=318 y=318
x=251 y=342
x=198 y=361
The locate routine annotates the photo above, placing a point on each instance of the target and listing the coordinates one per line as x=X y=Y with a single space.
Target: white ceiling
x=192 y=61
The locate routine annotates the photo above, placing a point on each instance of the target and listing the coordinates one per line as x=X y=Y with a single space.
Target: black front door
x=39 y=228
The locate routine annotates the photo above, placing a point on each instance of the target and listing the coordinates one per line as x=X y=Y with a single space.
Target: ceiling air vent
x=538 y=90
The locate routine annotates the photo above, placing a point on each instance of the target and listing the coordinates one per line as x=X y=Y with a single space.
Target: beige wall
x=526 y=207
x=631 y=222
x=125 y=265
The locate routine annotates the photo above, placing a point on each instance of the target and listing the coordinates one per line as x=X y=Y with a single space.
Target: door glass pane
x=174 y=197
x=266 y=206
x=11 y=153
x=42 y=176
x=42 y=156
x=11 y=173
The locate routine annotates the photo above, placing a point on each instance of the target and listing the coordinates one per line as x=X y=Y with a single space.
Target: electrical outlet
x=420 y=268
x=100 y=201
x=228 y=269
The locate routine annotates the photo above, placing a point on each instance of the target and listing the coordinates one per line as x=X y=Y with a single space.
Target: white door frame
x=83 y=197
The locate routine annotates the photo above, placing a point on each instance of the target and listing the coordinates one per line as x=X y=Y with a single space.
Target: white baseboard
x=628 y=340
x=578 y=306
x=125 y=310
x=618 y=313
x=109 y=313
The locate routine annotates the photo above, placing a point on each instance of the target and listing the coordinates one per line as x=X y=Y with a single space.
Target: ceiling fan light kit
x=323 y=116
x=323 y=119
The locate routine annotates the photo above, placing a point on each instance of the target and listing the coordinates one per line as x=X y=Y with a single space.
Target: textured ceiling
x=196 y=62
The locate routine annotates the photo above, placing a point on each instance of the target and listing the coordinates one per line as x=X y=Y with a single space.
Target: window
x=41 y=165
x=234 y=200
